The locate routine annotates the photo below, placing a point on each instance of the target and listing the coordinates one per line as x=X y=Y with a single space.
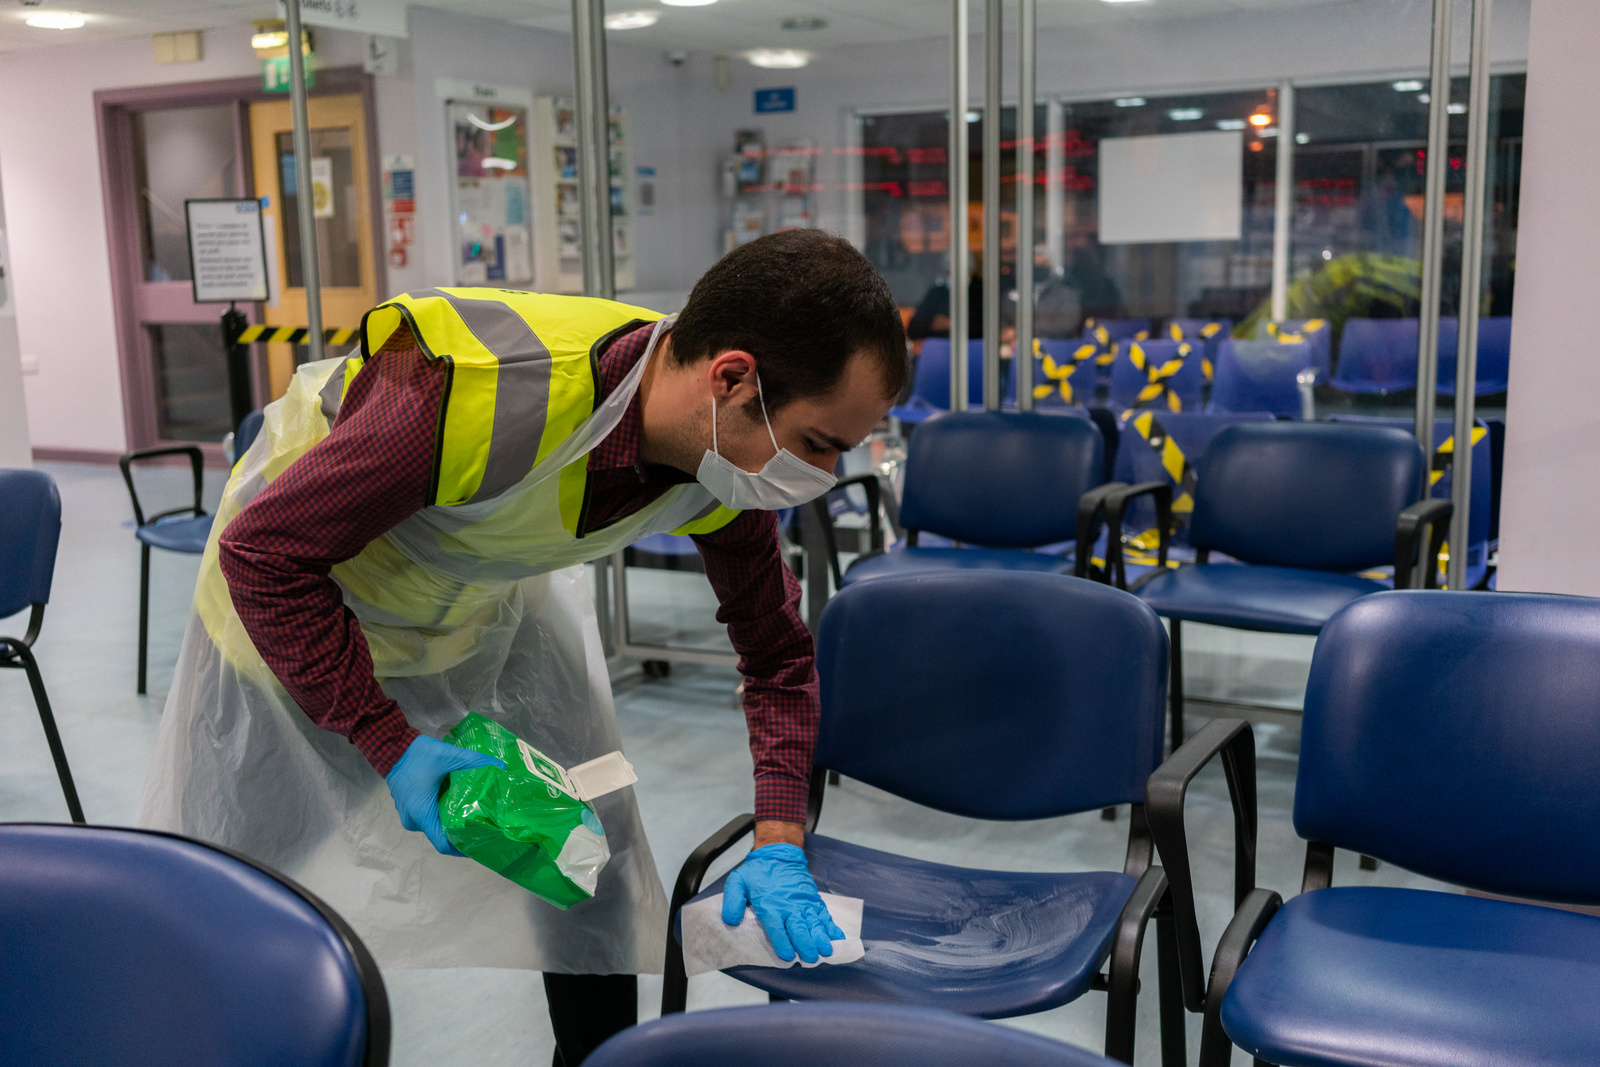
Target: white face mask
x=786 y=481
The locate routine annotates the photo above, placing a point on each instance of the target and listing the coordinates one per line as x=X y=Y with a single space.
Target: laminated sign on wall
x=227 y=250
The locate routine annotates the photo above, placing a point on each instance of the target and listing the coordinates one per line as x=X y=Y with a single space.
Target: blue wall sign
x=774 y=100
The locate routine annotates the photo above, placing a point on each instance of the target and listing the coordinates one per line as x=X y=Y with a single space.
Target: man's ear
x=732 y=376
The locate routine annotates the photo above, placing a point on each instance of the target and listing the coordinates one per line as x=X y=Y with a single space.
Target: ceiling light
x=688 y=3
x=1230 y=124
x=57 y=20
x=1302 y=138
x=491 y=127
x=804 y=22
x=974 y=116
x=262 y=40
x=1408 y=86
x=1130 y=101
x=1424 y=98
x=632 y=20
x=1260 y=118
x=1184 y=114
x=1456 y=109
x=778 y=58
x=494 y=163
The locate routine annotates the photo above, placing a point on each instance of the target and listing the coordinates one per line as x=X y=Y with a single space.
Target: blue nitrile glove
x=418 y=778
x=774 y=881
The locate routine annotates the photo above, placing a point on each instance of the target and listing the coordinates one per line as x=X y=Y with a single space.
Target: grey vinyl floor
x=685 y=736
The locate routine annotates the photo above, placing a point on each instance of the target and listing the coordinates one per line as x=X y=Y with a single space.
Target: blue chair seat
x=1392 y=977
x=1276 y=599
x=920 y=560
x=177 y=535
x=988 y=943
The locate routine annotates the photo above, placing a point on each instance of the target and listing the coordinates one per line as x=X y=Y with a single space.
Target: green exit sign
x=275 y=74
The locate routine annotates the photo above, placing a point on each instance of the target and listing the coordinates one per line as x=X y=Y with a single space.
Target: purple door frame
x=114 y=111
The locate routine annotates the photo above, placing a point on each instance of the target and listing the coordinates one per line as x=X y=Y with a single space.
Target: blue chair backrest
x=245 y=436
x=1318 y=333
x=1128 y=379
x=1141 y=459
x=1081 y=382
x=1260 y=376
x=130 y=947
x=932 y=380
x=1481 y=517
x=30 y=529
x=992 y=694
x=1494 y=353
x=1004 y=479
x=808 y=1034
x=1114 y=329
x=1197 y=329
x=1317 y=495
x=1378 y=354
x=1458 y=735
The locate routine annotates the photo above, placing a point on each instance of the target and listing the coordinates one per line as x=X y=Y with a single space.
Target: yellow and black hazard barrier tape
x=292 y=335
x=1444 y=456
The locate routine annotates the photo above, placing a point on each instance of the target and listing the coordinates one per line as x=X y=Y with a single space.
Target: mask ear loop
x=764 y=418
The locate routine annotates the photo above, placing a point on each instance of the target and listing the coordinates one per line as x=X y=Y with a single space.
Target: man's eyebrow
x=829 y=440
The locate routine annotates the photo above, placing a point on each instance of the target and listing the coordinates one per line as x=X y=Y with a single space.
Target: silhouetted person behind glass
x=932 y=317
x=1097 y=293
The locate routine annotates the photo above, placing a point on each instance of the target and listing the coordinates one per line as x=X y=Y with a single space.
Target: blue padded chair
x=30 y=530
x=1260 y=376
x=1494 y=354
x=1107 y=332
x=1165 y=375
x=1205 y=334
x=169 y=530
x=828 y=1035
x=1071 y=375
x=1318 y=333
x=1000 y=482
x=1078 y=729
x=1377 y=356
x=1301 y=506
x=239 y=442
x=1456 y=735
x=930 y=383
x=140 y=949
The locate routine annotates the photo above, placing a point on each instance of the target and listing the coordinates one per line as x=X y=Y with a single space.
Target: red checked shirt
x=375 y=468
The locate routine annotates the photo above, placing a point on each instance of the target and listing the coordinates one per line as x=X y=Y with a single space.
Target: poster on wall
x=227 y=250
x=399 y=207
x=492 y=193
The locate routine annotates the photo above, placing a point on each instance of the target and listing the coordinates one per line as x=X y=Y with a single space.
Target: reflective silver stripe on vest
x=332 y=391
x=522 y=391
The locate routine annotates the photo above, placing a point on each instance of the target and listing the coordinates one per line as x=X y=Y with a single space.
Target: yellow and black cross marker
x=292 y=335
x=1158 y=377
x=1061 y=373
x=1173 y=461
x=1444 y=456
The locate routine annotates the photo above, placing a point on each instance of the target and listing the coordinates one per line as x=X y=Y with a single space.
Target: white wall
x=1551 y=504
x=14 y=451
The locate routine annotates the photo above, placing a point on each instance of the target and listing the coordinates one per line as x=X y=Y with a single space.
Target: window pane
x=179 y=154
x=191 y=380
x=337 y=212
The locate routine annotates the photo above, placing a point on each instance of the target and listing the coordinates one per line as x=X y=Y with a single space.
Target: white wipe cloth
x=709 y=944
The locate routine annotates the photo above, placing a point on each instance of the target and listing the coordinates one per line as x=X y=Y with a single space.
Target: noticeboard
x=227 y=250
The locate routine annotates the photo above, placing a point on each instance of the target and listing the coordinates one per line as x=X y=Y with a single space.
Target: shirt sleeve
x=372 y=470
x=760 y=605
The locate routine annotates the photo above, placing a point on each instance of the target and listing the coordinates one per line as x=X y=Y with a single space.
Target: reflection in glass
x=191 y=381
x=337 y=209
x=179 y=154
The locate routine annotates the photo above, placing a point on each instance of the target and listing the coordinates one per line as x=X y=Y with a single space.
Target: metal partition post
x=1471 y=283
x=1283 y=203
x=1055 y=221
x=594 y=145
x=310 y=262
x=993 y=40
x=960 y=45
x=1436 y=165
x=1022 y=351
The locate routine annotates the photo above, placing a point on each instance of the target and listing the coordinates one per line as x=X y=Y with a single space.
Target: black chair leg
x=48 y=719
x=1175 y=684
x=144 y=612
x=1174 y=1029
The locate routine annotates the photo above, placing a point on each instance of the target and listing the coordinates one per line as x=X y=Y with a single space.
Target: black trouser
x=585 y=1009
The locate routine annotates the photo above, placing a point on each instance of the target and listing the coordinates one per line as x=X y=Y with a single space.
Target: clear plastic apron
x=237 y=763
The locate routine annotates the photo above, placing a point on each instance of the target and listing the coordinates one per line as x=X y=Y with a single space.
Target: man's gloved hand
x=774 y=881
x=417 y=779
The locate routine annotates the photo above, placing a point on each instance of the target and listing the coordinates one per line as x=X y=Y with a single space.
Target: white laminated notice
x=601 y=776
x=709 y=944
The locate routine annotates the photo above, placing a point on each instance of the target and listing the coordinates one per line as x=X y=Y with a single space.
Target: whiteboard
x=1172 y=187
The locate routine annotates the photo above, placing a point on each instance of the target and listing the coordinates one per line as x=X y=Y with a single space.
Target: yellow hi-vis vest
x=522 y=382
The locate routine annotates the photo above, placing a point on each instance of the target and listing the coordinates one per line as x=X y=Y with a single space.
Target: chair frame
x=17 y=652
x=197 y=464
x=1153 y=896
x=1428 y=514
x=374 y=993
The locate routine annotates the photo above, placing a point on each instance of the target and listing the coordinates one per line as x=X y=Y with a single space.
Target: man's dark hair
x=802 y=302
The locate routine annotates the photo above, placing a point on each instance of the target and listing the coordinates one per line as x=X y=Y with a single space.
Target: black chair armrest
x=1148 y=896
x=1091 y=513
x=1161 y=494
x=1435 y=516
x=675 y=987
x=1165 y=795
x=874 y=489
x=1216 y=1049
x=197 y=461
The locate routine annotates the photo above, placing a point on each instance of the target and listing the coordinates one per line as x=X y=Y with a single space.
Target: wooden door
x=344 y=217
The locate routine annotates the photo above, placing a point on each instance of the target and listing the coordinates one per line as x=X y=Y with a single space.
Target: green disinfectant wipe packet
x=531 y=822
